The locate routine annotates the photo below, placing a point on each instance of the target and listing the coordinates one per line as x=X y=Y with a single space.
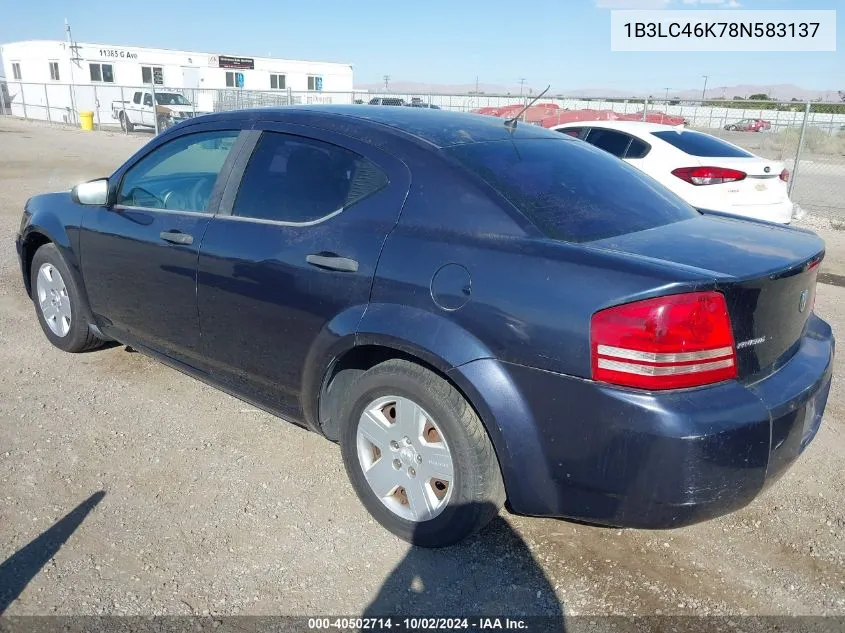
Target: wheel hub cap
x=405 y=458
x=53 y=299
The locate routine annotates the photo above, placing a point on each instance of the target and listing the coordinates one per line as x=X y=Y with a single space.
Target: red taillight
x=784 y=175
x=709 y=175
x=664 y=343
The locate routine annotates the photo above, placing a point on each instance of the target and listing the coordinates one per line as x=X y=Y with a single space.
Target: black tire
x=125 y=123
x=478 y=491
x=79 y=337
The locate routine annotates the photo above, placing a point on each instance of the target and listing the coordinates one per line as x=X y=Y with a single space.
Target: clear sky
x=562 y=42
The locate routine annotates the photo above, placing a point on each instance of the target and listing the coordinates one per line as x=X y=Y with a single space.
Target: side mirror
x=94 y=193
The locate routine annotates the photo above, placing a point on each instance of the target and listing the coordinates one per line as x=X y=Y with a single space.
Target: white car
x=707 y=172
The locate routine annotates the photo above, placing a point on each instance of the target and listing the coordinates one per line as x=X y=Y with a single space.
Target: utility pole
x=667 y=94
x=521 y=84
x=476 y=84
x=74 y=57
x=387 y=83
x=704 y=91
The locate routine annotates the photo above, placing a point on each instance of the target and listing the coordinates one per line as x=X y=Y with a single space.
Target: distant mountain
x=781 y=92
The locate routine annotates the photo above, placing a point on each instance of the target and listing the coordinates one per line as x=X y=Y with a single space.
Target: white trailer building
x=56 y=79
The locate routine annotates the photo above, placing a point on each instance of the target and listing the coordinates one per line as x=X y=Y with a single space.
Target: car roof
x=632 y=127
x=440 y=128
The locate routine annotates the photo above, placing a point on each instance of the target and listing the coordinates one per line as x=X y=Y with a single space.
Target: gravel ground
x=198 y=503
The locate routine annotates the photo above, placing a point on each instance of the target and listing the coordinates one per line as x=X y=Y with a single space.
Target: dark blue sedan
x=475 y=312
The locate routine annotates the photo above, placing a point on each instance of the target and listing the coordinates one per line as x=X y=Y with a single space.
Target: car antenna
x=511 y=123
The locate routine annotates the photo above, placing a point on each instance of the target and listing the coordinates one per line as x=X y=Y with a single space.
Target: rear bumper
x=621 y=457
x=779 y=212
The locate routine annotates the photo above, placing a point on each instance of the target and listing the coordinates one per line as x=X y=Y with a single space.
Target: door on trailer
x=191 y=83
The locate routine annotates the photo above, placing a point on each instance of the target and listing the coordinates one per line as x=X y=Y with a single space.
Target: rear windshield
x=572 y=191
x=698 y=144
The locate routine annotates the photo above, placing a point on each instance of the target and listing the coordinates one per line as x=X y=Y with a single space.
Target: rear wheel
x=59 y=304
x=418 y=456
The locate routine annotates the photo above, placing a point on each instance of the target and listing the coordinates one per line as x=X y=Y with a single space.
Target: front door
x=139 y=256
x=297 y=250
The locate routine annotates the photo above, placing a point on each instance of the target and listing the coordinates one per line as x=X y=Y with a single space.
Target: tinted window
x=572 y=191
x=698 y=144
x=609 y=140
x=294 y=179
x=148 y=100
x=637 y=149
x=179 y=175
x=572 y=131
x=136 y=98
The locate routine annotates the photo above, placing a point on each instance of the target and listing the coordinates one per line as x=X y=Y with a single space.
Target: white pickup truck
x=170 y=108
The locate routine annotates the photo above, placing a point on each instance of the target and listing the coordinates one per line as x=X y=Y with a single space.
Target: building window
x=277 y=82
x=102 y=72
x=152 y=75
x=315 y=82
x=234 y=80
x=54 y=71
x=16 y=70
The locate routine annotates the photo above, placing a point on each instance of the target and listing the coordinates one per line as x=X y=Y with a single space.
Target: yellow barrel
x=86 y=120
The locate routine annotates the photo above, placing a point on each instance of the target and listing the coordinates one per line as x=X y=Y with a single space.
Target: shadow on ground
x=492 y=573
x=21 y=567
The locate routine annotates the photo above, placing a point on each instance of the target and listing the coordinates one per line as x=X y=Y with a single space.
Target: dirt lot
x=210 y=506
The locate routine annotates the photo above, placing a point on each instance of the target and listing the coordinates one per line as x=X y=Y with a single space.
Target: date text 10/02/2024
x=418 y=624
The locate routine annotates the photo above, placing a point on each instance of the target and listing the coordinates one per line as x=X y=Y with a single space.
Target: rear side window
x=609 y=140
x=637 y=149
x=295 y=179
x=704 y=145
x=571 y=191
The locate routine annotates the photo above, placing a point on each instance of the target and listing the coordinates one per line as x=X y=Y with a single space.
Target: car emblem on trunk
x=767 y=169
x=802 y=302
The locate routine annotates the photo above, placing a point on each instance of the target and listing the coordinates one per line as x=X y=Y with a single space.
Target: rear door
x=294 y=248
x=148 y=111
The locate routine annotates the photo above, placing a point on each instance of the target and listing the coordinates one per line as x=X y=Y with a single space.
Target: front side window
x=571 y=191
x=179 y=175
x=295 y=179
x=54 y=71
x=574 y=132
x=16 y=70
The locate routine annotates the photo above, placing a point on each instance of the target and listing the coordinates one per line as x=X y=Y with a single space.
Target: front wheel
x=125 y=124
x=164 y=122
x=418 y=456
x=58 y=302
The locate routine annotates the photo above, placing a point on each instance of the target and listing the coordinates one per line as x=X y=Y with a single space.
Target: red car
x=749 y=125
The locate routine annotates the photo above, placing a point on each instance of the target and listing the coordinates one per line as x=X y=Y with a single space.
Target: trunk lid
x=761 y=186
x=767 y=274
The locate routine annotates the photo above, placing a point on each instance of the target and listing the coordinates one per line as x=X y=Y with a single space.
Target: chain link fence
x=809 y=138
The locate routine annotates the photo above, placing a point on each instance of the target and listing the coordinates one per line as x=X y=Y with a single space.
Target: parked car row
x=476 y=311
x=415 y=102
x=749 y=125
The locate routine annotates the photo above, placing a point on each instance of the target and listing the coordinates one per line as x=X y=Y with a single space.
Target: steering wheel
x=174 y=200
x=200 y=193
